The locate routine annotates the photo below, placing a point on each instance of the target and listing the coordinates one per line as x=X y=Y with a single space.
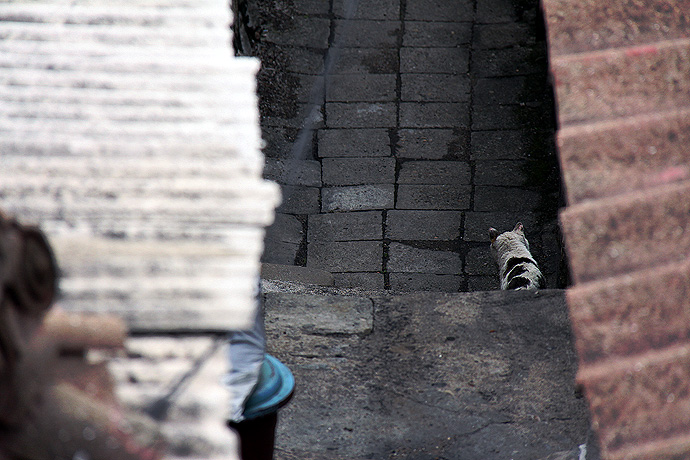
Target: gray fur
x=517 y=268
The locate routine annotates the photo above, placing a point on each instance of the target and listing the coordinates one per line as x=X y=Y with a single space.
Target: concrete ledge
x=296 y=274
x=319 y=315
x=473 y=376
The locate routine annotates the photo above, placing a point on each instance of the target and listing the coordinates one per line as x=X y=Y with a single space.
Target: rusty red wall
x=621 y=73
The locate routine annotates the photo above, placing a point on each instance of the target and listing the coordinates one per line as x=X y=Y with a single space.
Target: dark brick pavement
x=435 y=122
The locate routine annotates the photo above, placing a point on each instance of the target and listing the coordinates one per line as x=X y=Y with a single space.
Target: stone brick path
x=434 y=123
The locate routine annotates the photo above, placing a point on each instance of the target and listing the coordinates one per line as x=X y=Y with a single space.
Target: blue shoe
x=273 y=390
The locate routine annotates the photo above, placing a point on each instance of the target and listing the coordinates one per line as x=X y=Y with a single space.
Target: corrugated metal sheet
x=130 y=133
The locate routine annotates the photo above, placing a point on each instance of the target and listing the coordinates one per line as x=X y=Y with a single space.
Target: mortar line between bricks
x=470 y=68
x=394 y=140
x=539 y=130
x=398 y=76
x=326 y=70
x=385 y=246
x=398 y=80
x=465 y=283
x=330 y=57
x=326 y=62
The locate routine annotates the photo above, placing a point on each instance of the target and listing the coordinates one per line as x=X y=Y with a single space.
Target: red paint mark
x=641 y=50
x=673 y=174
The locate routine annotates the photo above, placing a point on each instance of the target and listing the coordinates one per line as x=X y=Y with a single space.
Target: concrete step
x=296 y=274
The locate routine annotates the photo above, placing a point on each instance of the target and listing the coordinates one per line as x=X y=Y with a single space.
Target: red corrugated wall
x=621 y=73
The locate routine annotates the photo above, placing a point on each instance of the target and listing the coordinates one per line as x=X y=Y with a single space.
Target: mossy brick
x=479 y=261
x=293 y=172
x=310 y=88
x=305 y=114
x=497 y=11
x=438 y=197
x=507 y=90
x=434 y=172
x=301 y=60
x=311 y=7
x=490 y=198
x=361 y=115
x=345 y=226
x=435 y=88
x=361 y=88
x=434 y=34
x=357 y=198
x=408 y=259
x=440 y=10
x=306 y=31
x=358 y=171
x=299 y=200
x=286 y=227
x=434 y=114
x=421 y=282
x=359 y=143
x=358 y=33
x=501 y=145
x=279 y=252
x=451 y=60
x=361 y=280
x=477 y=224
x=381 y=9
x=498 y=36
x=511 y=117
x=483 y=283
x=502 y=172
x=509 y=62
x=432 y=144
x=366 y=60
x=279 y=142
x=346 y=256
x=423 y=225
